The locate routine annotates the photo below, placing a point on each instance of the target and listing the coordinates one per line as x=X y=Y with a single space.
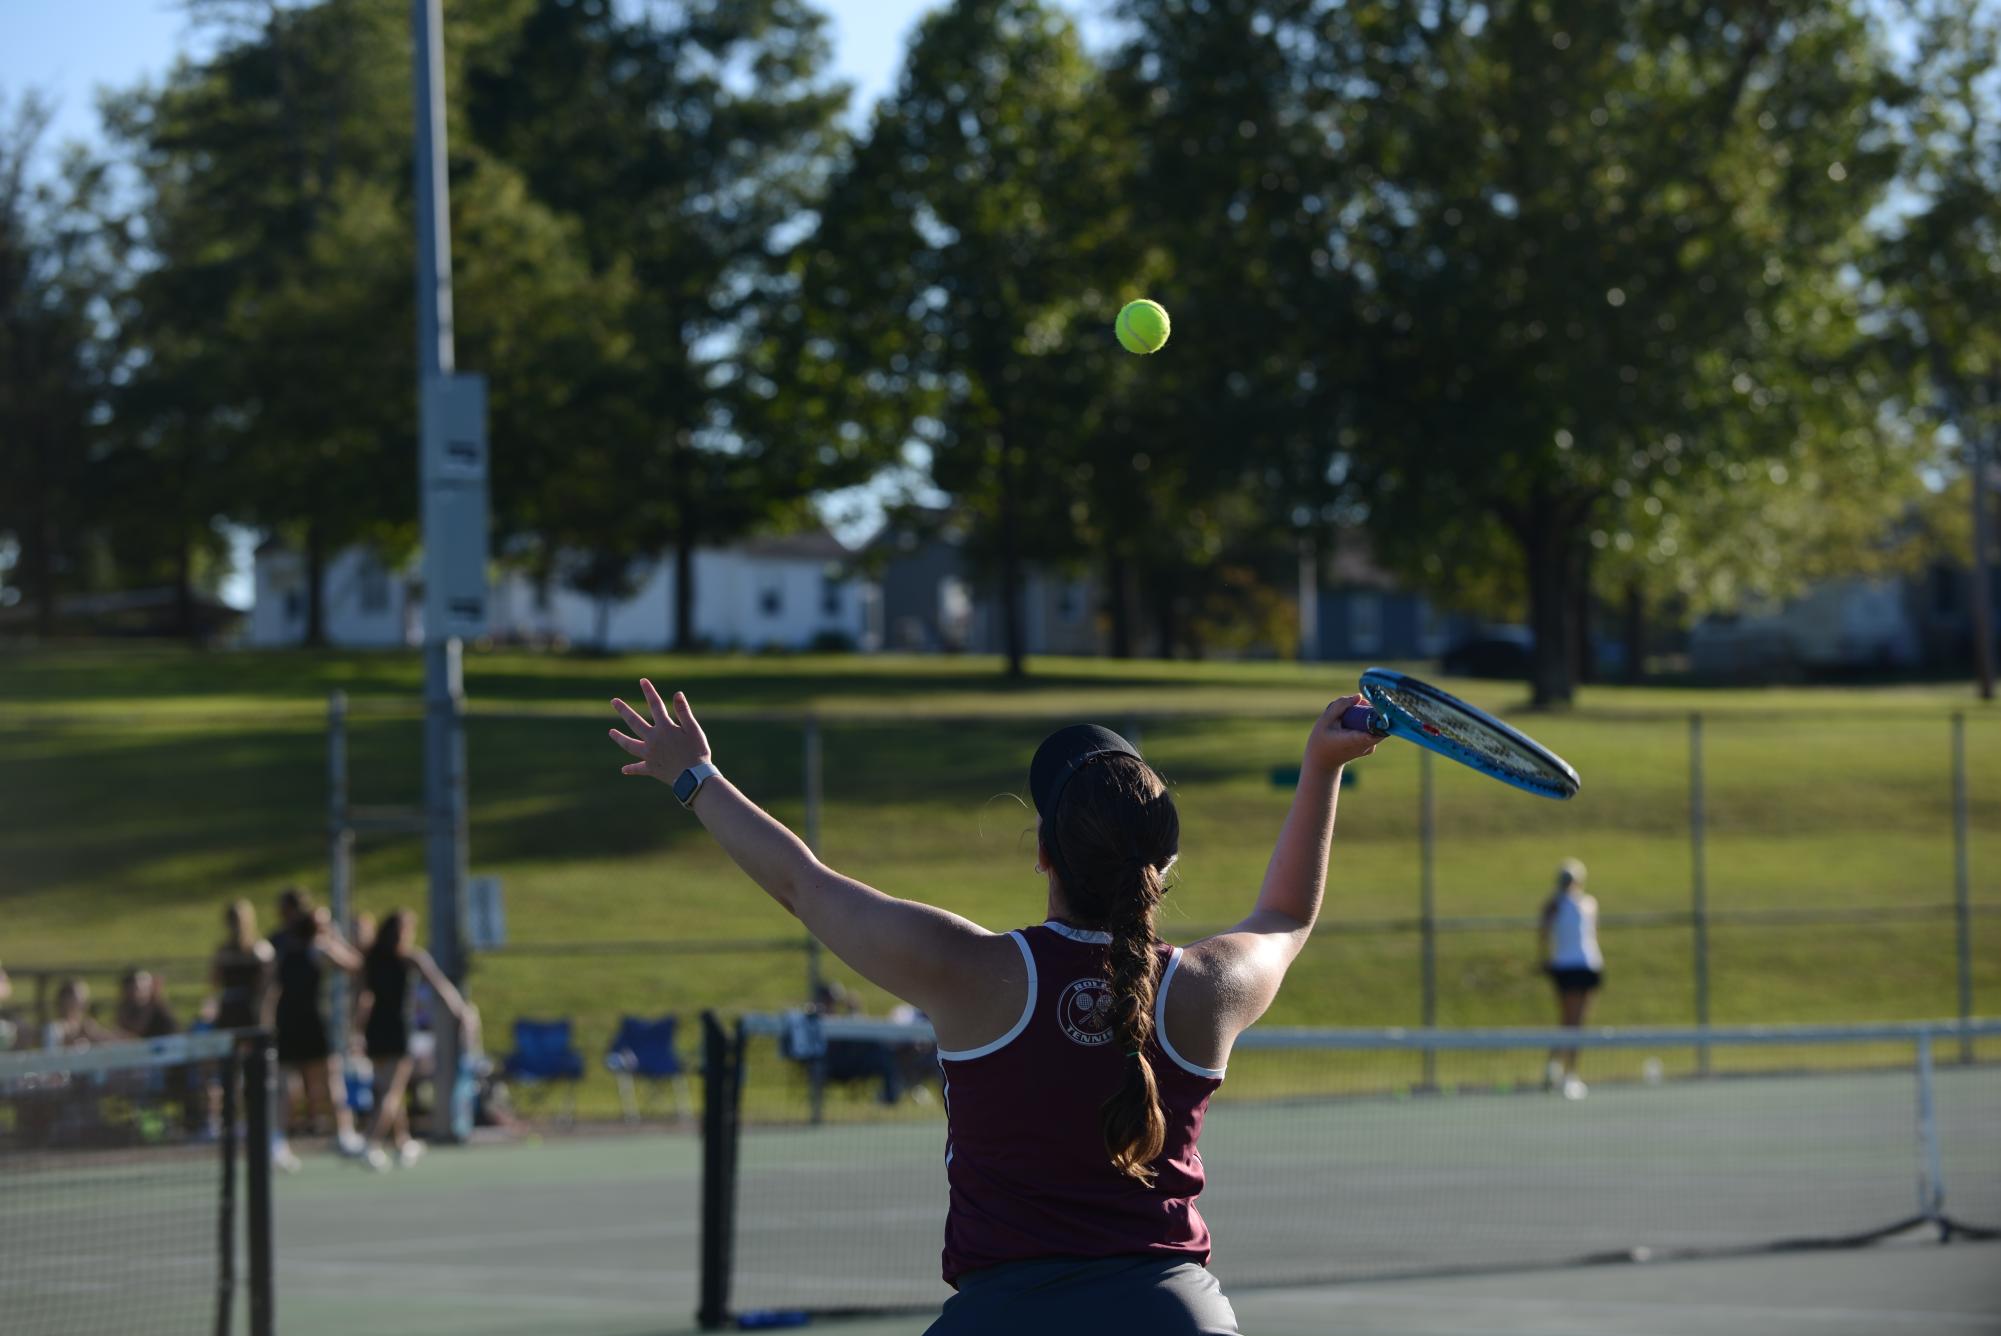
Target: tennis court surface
x=1340 y=1174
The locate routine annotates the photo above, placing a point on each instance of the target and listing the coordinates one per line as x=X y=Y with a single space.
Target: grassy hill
x=140 y=789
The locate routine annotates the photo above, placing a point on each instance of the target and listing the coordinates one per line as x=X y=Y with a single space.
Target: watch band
x=692 y=780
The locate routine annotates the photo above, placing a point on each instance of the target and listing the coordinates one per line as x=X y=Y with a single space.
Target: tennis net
x=119 y=1189
x=1338 y=1155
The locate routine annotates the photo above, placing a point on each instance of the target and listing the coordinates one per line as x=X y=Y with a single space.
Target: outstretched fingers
x=632 y=746
x=660 y=710
x=640 y=723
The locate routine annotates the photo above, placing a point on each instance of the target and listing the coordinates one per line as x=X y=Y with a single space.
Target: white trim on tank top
x=1078 y=934
x=1160 y=1022
x=1027 y=1010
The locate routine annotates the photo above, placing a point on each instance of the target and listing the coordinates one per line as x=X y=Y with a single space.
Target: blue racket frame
x=1517 y=760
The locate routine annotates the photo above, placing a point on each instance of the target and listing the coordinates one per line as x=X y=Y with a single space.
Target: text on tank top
x=1025 y=1157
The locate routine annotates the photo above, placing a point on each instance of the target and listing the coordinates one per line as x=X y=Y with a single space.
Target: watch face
x=685 y=785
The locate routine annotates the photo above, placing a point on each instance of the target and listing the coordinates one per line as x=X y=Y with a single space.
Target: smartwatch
x=690 y=781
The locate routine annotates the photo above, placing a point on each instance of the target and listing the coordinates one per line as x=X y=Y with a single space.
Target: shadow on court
x=598 y=1235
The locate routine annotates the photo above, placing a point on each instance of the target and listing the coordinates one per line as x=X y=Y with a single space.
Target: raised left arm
x=916 y=951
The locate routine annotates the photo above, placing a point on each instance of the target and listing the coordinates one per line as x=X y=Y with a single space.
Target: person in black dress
x=243 y=971
x=305 y=944
x=393 y=956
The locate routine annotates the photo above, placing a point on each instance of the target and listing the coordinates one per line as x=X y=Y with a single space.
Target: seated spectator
x=74 y=1026
x=142 y=1010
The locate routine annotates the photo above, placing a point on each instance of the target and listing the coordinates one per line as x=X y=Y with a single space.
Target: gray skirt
x=1056 y=1297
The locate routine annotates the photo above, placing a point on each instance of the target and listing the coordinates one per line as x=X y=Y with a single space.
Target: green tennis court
x=596 y=1236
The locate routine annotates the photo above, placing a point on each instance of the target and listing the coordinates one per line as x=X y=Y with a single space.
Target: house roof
x=817 y=545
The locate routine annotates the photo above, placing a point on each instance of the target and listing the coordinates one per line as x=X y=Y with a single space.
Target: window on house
x=1070 y=602
x=772 y=600
x=830 y=592
x=1365 y=622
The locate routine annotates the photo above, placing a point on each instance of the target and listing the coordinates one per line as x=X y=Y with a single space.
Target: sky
x=70 y=49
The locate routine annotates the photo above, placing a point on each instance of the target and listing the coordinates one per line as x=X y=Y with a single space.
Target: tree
x=1237 y=196
x=271 y=324
x=689 y=142
x=1940 y=266
x=1586 y=239
x=968 y=255
x=52 y=368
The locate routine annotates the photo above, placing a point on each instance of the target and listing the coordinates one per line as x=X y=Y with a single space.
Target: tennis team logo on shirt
x=1086 y=1012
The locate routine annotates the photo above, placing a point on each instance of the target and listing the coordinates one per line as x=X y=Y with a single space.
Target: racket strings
x=1472 y=734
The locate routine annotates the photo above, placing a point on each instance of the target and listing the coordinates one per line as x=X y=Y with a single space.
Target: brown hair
x=1111 y=840
x=241 y=920
x=388 y=943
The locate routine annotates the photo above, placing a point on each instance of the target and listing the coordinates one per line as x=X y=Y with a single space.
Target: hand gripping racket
x=1403 y=707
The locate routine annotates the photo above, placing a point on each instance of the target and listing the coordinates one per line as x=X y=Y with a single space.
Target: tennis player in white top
x=1569 y=933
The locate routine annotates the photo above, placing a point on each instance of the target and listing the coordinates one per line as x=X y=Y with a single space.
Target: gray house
x=1362 y=612
x=933 y=601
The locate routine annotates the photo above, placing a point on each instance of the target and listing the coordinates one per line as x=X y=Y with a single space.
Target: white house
x=767 y=593
x=1855 y=623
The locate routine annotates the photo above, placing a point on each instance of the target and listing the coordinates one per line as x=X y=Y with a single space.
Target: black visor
x=1062 y=754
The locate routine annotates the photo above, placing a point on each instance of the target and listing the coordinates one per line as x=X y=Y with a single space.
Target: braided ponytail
x=1135 y=1125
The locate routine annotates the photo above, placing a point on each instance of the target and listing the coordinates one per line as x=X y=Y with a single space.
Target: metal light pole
x=452 y=463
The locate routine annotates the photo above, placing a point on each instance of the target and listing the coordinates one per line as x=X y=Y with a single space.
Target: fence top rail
x=867 y=1029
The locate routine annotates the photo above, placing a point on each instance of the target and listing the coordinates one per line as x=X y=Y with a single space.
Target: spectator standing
x=304 y=945
x=393 y=957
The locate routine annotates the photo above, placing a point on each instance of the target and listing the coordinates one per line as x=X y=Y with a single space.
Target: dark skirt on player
x=1162 y=1296
x=301 y=1025
x=1575 y=979
x=387 y=1034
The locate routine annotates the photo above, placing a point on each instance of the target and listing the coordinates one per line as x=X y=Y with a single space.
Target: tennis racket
x=1403 y=707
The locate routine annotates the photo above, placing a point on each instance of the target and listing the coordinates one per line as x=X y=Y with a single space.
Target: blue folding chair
x=644 y=1050
x=542 y=1056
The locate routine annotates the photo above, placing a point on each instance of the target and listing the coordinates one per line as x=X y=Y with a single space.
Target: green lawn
x=140 y=789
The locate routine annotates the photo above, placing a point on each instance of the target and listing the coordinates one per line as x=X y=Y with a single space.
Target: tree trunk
x=1010 y=563
x=604 y=624
x=1582 y=660
x=1543 y=546
x=40 y=562
x=684 y=550
x=184 y=592
x=1636 y=633
x=1117 y=580
x=1169 y=628
x=316 y=580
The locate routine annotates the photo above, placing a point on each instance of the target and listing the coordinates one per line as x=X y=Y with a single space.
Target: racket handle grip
x=1358 y=718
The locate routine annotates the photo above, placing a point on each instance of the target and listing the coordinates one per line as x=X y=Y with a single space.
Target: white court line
x=1347 y=1298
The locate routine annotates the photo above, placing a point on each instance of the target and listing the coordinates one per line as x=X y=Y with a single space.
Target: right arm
x=1238 y=972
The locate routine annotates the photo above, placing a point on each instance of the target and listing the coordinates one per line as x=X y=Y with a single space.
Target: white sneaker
x=284 y=1161
x=1575 y=1089
x=351 y=1144
x=410 y=1153
x=377 y=1159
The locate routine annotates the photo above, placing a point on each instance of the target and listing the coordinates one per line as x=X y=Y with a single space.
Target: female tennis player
x=392 y=957
x=1080 y=1054
x=1569 y=929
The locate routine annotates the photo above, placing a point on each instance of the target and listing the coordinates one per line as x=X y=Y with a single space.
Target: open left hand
x=667 y=747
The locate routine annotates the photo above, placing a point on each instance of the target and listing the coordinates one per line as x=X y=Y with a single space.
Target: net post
x=1962 y=879
x=225 y=1287
x=721 y=1091
x=814 y=794
x=258 y=1095
x=1931 y=1179
x=1699 y=886
x=1427 y=811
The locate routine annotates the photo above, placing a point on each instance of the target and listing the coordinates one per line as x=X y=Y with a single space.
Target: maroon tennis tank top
x=1026 y=1153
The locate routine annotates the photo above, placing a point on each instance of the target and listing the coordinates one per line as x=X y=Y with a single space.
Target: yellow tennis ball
x=1143 y=327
